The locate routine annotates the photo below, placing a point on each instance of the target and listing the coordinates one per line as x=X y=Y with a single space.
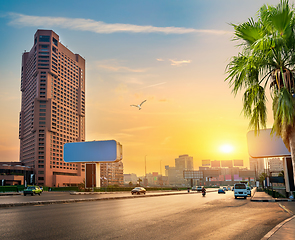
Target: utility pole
x=145 y=165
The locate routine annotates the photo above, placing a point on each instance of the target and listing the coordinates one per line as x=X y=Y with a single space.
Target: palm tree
x=267 y=60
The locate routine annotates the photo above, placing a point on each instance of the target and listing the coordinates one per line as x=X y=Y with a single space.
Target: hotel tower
x=52 y=110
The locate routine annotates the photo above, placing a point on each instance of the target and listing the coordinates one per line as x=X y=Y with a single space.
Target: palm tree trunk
x=292 y=149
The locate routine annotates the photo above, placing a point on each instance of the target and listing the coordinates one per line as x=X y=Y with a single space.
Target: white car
x=199 y=188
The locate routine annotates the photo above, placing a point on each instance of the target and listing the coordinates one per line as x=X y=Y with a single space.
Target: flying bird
x=139 y=106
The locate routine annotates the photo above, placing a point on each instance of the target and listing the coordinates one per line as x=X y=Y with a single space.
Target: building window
x=44 y=38
x=55 y=42
x=40 y=178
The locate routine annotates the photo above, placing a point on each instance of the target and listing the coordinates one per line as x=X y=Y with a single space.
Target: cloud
x=137 y=129
x=113 y=65
x=179 y=63
x=153 y=85
x=90 y=25
x=160 y=60
x=120 y=69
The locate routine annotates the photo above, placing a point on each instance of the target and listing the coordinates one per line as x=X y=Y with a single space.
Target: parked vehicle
x=194 y=188
x=249 y=191
x=32 y=190
x=225 y=188
x=199 y=188
x=138 y=190
x=240 y=190
x=221 y=190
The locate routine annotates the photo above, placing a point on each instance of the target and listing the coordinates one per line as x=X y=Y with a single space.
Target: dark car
x=138 y=190
x=221 y=190
x=32 y=190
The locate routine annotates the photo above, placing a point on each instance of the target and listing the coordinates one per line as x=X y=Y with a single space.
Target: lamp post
x=145 y=169
x=145 y=166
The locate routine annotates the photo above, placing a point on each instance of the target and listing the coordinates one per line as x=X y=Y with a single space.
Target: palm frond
x=254 y=107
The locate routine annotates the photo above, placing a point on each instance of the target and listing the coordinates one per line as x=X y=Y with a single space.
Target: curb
x=272 y=200
x=276 y=228
x=10 y=193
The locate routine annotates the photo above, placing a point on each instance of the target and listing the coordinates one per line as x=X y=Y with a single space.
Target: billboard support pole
x=286 y=175
x=97 y=175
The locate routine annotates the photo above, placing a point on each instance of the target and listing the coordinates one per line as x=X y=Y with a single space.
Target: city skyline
x=172 y=54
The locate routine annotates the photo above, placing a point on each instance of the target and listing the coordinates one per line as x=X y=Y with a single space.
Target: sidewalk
x=283 y=231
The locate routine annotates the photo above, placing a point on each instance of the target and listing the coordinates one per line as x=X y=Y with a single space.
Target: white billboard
x=265 y=145
x=95 y=151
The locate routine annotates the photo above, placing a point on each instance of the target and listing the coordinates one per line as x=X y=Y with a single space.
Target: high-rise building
x=52 y=109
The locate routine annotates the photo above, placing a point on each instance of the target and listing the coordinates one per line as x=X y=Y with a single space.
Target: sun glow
x=226 y=148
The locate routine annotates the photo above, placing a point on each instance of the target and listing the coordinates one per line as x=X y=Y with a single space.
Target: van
x=240 y=190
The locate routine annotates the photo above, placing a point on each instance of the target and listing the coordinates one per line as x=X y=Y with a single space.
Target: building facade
x=130 y=178
x=275 y=165
x=257 y=165
x=52 y=110
x=175 y=174
x=111 y=174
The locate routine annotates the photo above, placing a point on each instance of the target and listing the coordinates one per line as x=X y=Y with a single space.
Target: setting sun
x=226 y=148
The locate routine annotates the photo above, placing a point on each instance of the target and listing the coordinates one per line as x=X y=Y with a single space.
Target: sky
x=173 y=54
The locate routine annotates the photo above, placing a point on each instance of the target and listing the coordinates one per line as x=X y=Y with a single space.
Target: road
x=186 y=216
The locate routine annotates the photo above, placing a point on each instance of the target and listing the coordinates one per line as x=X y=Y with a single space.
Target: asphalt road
x=186 y=216
x=48 y=196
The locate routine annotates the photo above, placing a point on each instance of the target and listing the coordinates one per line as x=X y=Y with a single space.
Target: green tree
x=281 y=174
x=267 y=60
x=262 y=177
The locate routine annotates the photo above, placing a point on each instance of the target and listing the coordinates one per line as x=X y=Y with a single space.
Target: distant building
x=111 y=174
x=257 y=164
x=15 y=173
x=184 y=162
x=275 y=165
x=131 y=177
x=175 y=174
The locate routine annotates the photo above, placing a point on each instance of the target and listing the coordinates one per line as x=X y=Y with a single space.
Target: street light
x=145 y=165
